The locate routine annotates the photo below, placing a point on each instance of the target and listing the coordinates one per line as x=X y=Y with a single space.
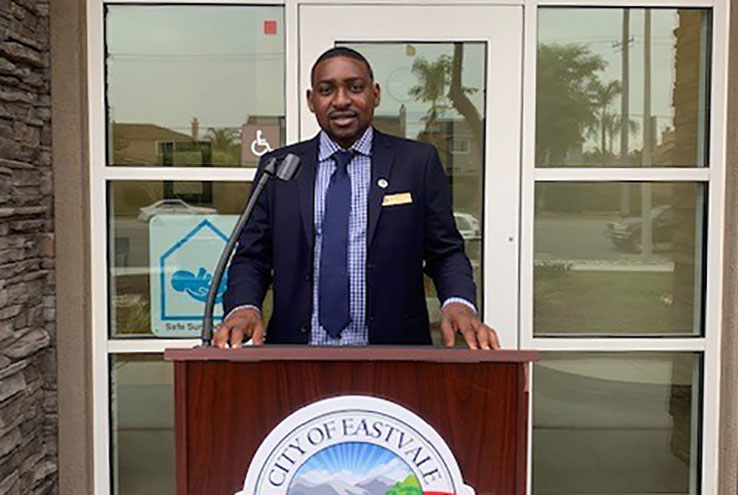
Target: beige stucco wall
x=69 y=132
x=728 y=480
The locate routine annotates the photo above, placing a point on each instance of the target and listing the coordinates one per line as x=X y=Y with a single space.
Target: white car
x=468 y=226
x=172 y=207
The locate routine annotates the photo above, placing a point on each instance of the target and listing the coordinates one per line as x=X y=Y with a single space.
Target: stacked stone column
x=28 y=412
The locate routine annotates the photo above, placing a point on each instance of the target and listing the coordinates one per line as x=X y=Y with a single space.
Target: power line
x=199 y=57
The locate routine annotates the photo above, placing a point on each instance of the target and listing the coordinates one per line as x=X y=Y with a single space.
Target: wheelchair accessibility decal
x=260 y=146
x=183 y=252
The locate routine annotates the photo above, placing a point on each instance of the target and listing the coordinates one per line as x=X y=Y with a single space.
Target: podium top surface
x=370 y=353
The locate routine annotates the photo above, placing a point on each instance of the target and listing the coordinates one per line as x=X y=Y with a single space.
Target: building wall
x=28 y=410
x=71 y=166
x=729 y=344
x=71 y=189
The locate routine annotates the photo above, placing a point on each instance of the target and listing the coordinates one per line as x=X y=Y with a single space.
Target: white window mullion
x=586 y=174
x=293 y=96
x=412 y=2
x=714 y=249
x=527 y=212
x=193 y=2
x=618 y=344
x=527 y=186
x=638 y=4
x=180 y=173
x=149 y=345
x=98 y=249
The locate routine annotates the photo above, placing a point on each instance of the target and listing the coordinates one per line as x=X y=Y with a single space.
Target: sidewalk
x=626 y=263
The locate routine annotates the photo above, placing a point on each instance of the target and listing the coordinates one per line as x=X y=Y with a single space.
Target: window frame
x=102 y=345
x=714 y=176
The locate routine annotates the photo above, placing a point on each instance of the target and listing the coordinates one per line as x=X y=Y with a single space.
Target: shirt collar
x=363 y=145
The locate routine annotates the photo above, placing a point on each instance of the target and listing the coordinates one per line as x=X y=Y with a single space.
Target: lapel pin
x=383 y=183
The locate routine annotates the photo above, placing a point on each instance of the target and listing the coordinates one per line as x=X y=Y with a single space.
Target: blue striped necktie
x=333 y=296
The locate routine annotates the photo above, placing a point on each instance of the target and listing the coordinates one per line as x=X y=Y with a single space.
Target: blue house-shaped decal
x=183 y=273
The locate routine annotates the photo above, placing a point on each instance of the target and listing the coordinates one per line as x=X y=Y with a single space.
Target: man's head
x=343 y=94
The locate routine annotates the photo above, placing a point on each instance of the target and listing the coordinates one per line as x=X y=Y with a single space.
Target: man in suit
x=345 y=244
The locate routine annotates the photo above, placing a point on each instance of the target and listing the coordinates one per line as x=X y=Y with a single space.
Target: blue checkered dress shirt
x=359 y=169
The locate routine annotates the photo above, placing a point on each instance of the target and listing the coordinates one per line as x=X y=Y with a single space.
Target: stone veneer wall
x=28 y=410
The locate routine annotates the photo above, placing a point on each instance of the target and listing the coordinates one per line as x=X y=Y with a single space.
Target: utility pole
x=625 y=111
x=646 y=227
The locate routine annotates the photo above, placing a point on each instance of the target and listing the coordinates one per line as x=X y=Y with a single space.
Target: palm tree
x=565 y=109
x=616 y=124
x=225 y=144
x=434 y=79
x=223 y=138
x=602 y=97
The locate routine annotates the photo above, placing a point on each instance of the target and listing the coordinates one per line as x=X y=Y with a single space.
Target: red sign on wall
x=270 y=27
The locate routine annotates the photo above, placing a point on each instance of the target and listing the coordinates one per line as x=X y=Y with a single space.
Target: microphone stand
x=282 y=168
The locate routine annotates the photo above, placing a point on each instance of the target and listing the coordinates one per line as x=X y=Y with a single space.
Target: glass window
x=435 y=93
x=142 y=425
x=618 y=258
x=194 y=85
x=624 y=423
x=165 y=240
x=622 y=87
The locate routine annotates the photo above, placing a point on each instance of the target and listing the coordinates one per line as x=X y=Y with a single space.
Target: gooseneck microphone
x=283 y=168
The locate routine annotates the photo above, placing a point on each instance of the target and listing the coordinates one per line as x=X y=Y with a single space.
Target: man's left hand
x=459 y=318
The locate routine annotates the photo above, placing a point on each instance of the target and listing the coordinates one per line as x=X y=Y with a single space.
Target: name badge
x=397 y=199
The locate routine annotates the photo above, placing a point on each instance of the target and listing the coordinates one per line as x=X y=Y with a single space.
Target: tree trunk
x=461 y=102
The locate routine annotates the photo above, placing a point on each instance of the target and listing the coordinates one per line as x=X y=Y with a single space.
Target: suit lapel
x=306 y=188
x=383 y=155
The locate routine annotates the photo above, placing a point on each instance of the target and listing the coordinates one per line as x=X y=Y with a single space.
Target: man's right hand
x=244 y=322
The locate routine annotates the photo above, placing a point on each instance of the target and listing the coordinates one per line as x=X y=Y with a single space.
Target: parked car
x=468 y=226
x=172 y=207
x=625 y=234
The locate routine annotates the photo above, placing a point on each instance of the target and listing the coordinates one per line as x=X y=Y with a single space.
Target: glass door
x=451 y=77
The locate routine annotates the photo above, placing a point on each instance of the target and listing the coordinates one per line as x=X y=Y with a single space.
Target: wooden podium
x=228 y=400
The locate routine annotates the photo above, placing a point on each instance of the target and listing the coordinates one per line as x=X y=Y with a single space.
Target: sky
x=168 y=64
x=598 y=29
x=353 y=462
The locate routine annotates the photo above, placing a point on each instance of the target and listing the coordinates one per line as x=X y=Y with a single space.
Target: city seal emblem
x=354 y=445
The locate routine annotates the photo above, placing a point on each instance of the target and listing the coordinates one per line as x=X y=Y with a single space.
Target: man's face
x=343 y=98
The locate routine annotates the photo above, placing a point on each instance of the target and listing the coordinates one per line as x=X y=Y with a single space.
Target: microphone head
x=289 y=167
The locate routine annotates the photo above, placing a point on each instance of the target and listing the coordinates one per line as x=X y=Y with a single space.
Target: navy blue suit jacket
x=403 y=241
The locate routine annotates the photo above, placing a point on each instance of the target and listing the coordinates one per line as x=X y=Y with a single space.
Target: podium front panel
x=225 y=410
